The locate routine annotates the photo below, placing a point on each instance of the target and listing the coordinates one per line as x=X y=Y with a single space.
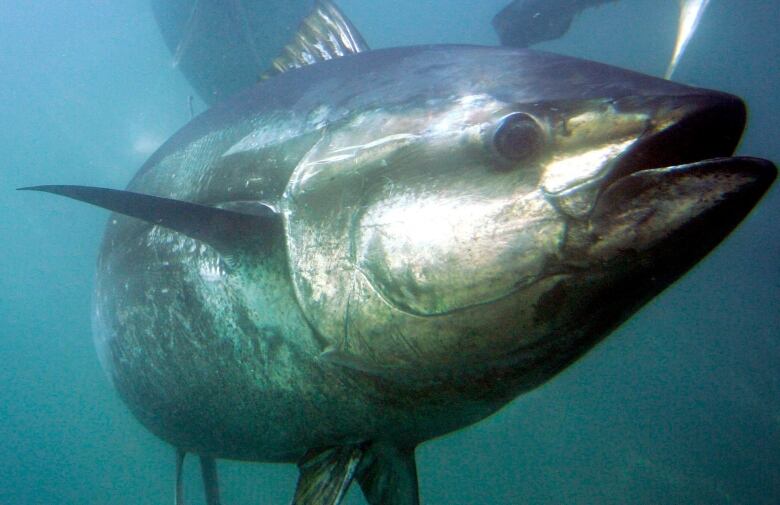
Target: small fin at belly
x=326 y=475
x=179 y=490
x=208 y=468
x=388 y=475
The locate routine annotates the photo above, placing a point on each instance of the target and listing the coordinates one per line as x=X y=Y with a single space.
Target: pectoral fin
x=326 y=475
x=225 y=230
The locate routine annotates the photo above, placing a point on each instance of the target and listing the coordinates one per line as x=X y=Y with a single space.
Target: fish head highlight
x=511 y=220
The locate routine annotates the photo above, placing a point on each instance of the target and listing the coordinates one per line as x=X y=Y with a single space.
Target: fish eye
x=518 y=137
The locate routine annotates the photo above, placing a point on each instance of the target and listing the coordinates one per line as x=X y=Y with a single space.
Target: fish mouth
x=688 y=147
x=689 y=187
x=678 y=186
x=685 y=129
x=670 y=200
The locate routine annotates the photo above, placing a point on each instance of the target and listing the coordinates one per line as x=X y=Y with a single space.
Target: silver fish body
x=455 y=225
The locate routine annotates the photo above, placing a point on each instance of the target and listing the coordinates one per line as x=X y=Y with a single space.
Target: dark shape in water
x=224 y=46
x=357 y=256
x=526 y=22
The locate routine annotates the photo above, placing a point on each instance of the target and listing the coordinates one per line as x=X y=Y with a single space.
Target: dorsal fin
x=225 y=230
x=325 y=34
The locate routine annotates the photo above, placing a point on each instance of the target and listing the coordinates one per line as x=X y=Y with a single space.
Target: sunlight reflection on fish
x=691 y=12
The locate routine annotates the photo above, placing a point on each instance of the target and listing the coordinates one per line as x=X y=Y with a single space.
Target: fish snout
x=676 y=192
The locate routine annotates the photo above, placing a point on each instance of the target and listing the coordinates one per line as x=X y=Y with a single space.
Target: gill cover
x=378 y=215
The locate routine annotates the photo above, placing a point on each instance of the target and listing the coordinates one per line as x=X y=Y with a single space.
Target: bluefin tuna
x=357 y=256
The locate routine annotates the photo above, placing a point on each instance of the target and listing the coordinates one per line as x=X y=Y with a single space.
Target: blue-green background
x=681 y=405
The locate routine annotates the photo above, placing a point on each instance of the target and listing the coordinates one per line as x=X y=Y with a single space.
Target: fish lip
x=684 y=130
x=759 y=172
x=652 y=226
x=706 y=198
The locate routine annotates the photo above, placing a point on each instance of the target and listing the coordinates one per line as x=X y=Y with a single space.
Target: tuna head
x=511 y=222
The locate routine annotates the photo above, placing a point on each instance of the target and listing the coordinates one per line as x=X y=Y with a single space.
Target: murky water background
x=682 y=405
